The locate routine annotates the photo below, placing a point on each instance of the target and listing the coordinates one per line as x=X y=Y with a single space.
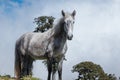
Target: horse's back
x=23 y=41
x=33 y=44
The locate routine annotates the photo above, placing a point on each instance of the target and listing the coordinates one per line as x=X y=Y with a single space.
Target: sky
x=96 y=32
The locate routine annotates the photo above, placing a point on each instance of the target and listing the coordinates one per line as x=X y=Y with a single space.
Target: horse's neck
x=58 y=28
x=59 y=32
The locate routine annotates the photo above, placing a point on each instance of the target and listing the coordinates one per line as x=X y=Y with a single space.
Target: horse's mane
x=57 y=27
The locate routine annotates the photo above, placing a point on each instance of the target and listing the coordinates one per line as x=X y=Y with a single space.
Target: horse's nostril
x=70 y=37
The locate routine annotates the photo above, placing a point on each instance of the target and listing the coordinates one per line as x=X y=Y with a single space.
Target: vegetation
x=43 y=23
x=8 y=77
x=90 y=71
x=30 y=78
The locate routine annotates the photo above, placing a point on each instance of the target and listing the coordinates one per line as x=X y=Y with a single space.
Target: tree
x=43 y=23
x=112 y=77
x=89 y=71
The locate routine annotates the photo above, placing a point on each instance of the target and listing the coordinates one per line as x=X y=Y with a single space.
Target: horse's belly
x=37 y=53
x=38 y=56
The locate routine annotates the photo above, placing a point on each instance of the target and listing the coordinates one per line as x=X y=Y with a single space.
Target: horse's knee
x=24 y=72
x=29 y=72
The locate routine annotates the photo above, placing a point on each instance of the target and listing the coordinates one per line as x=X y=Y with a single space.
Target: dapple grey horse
x=50 y=45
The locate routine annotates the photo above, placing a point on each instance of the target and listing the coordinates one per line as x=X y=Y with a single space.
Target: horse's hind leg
x=24 y=65
x=29 y=66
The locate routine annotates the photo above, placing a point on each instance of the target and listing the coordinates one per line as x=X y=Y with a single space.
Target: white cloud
x=96 y=33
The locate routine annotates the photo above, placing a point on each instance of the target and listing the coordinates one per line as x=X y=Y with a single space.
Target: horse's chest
x=58 y=45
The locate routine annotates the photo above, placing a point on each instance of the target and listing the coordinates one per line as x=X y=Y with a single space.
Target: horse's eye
x=73 y=22
x=64 y=22
x=67 y=23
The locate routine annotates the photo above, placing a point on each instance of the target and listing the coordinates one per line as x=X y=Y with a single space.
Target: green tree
x=112 y=77
x=43 y=23
x=90 y=71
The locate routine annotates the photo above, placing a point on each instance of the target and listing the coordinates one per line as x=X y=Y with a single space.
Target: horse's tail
x=17 y=64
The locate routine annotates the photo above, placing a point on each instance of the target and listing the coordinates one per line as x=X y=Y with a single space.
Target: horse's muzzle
x=70 y=37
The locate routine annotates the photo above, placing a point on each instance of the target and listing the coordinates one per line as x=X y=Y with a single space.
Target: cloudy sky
x=96 y=32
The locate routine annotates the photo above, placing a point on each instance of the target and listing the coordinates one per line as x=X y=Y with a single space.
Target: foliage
x=43 y=23
x=90 y=71
x=8 y=77
x=111 y=77
x=44 y=62
x=30 y=78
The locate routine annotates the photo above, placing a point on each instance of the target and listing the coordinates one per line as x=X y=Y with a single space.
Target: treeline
x=90 y=71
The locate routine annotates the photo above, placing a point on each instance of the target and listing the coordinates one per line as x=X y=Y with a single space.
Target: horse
x=50 y=45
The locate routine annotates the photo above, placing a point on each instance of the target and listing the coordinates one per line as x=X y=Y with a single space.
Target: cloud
x=96 y=33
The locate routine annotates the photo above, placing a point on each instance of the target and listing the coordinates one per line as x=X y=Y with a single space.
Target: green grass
x=30 y=78
x=7 y=77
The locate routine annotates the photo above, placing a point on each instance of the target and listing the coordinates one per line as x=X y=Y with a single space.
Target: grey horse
x=50 y=45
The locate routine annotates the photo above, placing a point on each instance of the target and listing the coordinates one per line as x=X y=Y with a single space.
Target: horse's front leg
x=30 y=66
x=24 y=66
x=54 y=69
x=60 y=69
x=49 y=67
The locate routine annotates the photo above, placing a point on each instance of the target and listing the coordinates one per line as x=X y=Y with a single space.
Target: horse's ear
x=74 y=13
x=63 y=13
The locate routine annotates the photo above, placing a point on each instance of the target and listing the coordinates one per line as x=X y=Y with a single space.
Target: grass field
x=24 y=78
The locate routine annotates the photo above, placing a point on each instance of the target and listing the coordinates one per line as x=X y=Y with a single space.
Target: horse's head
x=68 y=23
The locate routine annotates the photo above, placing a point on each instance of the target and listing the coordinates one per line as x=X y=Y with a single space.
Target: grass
x=30 y=78
x=7 y=77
